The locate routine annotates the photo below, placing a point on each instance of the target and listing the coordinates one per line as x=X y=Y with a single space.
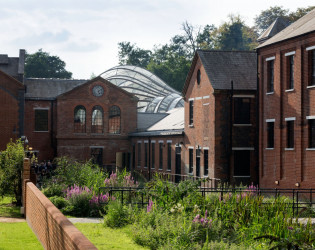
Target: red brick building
x=286 y=74
x=220 y=121
x=11 y=98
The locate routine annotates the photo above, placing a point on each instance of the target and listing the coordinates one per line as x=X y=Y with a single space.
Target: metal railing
x=299 y=199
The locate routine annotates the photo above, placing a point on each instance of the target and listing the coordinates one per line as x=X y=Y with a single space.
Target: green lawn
x=7 y=209
x=107 y=238
x=18 y=236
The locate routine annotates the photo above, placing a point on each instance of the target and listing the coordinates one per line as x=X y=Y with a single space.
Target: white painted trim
x=290 y=119
x=244 y=96
x=145 y=141
x=291 y=53
x=191 y=99
x=310 y=149
x=205 y=148
x=139 y=141
x=289 y=149
x=310 y=48
x=270 y=58
x=206 y=104
x=241 y=176
x=242 y=125
x=161 y=141
x=198 y=98
x=39 y=108
x=206 y=97
x=242 y=148
x=269 y=148
x=270 y=120
x=310 y=87
x=169 y=141
x=153 y=141
x=310 y=117
x=191 y=147
x=289 y=90
x=270 y=93
x=96 y=146
x=35 y=131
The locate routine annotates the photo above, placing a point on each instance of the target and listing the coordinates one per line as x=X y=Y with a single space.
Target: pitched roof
x=49 y=88
x=146 y=120
x=278 y=25
x=223 y=66
x=304 y=25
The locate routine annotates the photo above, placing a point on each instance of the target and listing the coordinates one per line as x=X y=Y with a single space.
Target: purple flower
x=149 y=207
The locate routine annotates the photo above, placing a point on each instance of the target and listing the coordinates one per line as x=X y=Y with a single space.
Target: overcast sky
x=85 y=33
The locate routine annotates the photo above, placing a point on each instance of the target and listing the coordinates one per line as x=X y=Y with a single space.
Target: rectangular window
x=270 y=76
x=241 y=111
x=145 y=155
x=198 y=162
x=169 y=156
x=139 y=154
x=312 y=68
x=191 y=160
x=290 y=134
x=41 y=119
x=270 y=134
x=241 y=163
x=206 y=161
x=311 y=133
x=191 y=112
x=161 y=155
x=290 y=60
x=153 y=155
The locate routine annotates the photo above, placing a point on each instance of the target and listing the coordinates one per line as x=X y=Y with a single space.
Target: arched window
x=97 y=120
x=114 y=120
x=79 y=119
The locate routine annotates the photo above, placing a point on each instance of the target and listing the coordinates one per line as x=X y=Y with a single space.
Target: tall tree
x=130 y=54
x=42 y=65
x=235 y=35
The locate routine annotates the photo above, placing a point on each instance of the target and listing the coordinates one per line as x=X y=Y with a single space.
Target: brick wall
x=11 y=123
x=51 y=227
x=286 y=166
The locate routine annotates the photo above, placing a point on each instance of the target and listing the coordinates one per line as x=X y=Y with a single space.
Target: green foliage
x=53 y=189
x=118 y=215
x=42 y=65
x=70 y=172
x=8 y=208
x=80 y=203
x=59 y=202
x=11 y=166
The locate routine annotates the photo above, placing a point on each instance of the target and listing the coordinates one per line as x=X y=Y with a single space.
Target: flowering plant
x=203 y=221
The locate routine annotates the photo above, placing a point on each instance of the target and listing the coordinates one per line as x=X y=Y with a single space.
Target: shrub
x=79 y=198
x=59 y=202
x=118 y=215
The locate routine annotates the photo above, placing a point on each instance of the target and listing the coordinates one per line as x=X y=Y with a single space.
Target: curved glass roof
x=153 y=93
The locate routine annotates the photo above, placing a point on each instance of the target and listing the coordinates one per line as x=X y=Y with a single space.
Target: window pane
x=241 y=163
x=206 y=162
x=114 y=120
x=153 y=155
x=97 y=120
x=169 y=156
x=191 y=159
x=145 y=155
x=290 y=134
x=311 y=136
x=312 y=75
x=270 y=76
x=191 y=112
x=270 y=134
x=198 y=162
x=241 y=111
x=139 y=154
x=41 y=120
x=161 y=155
x=291 y=72
x=79 y=119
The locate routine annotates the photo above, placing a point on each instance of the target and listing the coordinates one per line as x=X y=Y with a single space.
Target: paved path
x=86 y=220
x=8 y=219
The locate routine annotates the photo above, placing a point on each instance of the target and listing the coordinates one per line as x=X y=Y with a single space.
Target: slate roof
x=13 y=66
x=146 y=120
x=278 y=25
x=304 y=25
x=223 y=66
x=49 y=88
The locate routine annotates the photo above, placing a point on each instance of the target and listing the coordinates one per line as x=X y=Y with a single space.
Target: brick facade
x=12 y=109
x=280 y=166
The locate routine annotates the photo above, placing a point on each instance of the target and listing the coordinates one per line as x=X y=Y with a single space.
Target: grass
x=17 y=236
x=8 y=209
x=106 y=238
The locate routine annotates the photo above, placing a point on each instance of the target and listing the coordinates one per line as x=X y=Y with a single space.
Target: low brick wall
x=51 y=227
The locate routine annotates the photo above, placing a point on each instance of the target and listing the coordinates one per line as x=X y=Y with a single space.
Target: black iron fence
x=299 y=199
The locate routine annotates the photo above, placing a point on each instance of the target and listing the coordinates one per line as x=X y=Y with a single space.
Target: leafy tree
x=130 y=54
x=235 y=35
x=293 y=16
x=42 y=65
x=11 y=166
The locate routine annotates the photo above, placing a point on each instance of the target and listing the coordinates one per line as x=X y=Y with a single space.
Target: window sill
x=269 y=148
x=206 y=176
x=289 y=149
x=242 y=125
x=289 y=90
x=191 y=125
x=270 y=93
x=169 y=170
x=310 y=149
x=41 y=131
x=310 y=87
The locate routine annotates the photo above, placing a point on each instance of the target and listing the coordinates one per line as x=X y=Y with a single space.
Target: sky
x=85 y=33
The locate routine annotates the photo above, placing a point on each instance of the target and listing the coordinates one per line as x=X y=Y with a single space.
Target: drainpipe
x=257 y=124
